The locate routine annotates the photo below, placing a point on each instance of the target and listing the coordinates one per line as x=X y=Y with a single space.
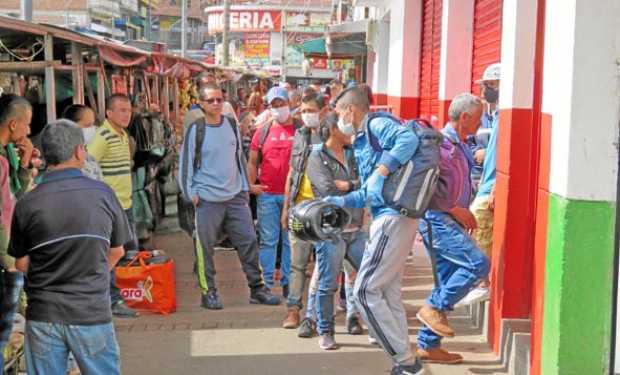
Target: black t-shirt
x=66 y=226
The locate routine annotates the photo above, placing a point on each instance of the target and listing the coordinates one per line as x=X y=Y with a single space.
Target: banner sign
x=246 y=21
x=256 y=48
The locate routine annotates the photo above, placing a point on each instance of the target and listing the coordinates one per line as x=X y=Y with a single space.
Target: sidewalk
x=247 y=339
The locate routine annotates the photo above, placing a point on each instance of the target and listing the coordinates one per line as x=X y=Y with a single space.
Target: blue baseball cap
x=277 y=92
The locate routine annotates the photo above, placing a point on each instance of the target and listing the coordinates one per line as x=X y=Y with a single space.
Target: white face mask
x=346 y=128
x=89 y=134
x=281 y=114
x=311 y=120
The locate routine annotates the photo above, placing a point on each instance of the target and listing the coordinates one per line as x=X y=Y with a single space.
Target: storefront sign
x=295 y=49
x=256 y=48
x=246 y=21
x=307 y=22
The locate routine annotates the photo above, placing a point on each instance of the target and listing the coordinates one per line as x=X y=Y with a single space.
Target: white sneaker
x=373 y=341
x=478 y=294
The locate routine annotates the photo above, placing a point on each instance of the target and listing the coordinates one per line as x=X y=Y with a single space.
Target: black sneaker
x=354 y=327
x=211 y=301
x=414 y=369
x=285 y=291
x=307 y=329
x=121 y=310
x=262 y=296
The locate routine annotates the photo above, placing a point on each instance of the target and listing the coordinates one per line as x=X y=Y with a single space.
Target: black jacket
x=323 y=169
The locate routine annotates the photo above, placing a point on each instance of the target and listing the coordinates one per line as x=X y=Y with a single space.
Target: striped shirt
x=111 y=150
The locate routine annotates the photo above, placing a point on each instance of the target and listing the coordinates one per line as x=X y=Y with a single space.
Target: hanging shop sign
x=307 y=22
x=246 y=21
x=256 y=48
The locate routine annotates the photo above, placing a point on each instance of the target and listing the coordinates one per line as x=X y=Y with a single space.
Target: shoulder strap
x=199 y=140
x=264 y=133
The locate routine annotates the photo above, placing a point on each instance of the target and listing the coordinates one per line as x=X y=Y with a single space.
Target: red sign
x=246 y=21
x=319 y=63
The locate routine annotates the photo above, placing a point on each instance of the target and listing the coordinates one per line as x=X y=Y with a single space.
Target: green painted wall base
x=578 y=287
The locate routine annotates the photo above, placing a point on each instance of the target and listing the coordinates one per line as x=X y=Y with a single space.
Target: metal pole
x=26 y=10
x=183 y=27
x=149 y=27
x=50 y=81
x=284 y=42
x=225 y=36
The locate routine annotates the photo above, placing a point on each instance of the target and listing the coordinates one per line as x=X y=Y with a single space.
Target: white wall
x=518 y=51
x=456 y=48
x=582 y=94
x=404 y=48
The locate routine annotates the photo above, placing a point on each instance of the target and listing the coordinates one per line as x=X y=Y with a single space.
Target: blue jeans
x=269 y=211
x=459 y=265
x=10 y=287
x=329 y=257
x=348 y=287
x=94 y=347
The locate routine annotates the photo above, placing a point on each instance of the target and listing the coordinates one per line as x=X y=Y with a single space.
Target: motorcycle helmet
x=316 y=220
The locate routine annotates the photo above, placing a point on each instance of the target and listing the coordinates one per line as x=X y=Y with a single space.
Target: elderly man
x=68 y=259
x=378 y=283
x=212 y=175
x=458 y=261
x=15 y=117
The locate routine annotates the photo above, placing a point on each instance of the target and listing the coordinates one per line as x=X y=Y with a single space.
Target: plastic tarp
x=114 y=57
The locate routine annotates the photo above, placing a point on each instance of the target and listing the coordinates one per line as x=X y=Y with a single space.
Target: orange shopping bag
x=148 y=287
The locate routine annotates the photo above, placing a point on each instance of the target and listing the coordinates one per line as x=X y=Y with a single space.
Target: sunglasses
x=213 y=100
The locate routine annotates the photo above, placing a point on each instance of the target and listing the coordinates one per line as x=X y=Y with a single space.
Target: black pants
x=115 y=293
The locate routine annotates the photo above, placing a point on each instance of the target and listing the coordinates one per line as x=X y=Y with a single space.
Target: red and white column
x=517 y=161
x=403 y=87
x=380 y=66
x=456 y=53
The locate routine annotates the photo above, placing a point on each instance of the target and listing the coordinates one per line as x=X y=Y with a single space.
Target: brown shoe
x=435 y=320
x=438 y=355
x=292 y=319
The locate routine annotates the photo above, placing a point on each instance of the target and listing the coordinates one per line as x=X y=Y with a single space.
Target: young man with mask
x=378 y=283
x=15 y=118
x=110 y=148
x=332 y=171
x=270 y=153
x=458 y=262
x=298 y=189
x=213 y=176
x=483 y=205
x=84 y=117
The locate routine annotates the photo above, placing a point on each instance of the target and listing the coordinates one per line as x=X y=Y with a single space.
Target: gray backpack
x=410 y=188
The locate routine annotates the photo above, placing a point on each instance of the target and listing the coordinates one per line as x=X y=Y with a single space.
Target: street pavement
x=247 y=339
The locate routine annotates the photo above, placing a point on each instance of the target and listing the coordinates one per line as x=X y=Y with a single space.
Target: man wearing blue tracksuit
x=378 y=283
x=458 y=261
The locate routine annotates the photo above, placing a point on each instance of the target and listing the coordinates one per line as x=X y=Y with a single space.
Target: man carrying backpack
x=270 y=153
x=378 y=283
x=458 y=261
x=213 y=177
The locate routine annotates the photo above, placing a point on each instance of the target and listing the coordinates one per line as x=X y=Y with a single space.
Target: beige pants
x=484 y=217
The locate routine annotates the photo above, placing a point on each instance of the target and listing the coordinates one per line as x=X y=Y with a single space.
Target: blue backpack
x=411 y=187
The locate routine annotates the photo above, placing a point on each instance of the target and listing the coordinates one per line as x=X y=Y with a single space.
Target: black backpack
x=186 y=210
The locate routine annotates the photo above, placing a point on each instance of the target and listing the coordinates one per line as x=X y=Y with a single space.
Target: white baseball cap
x=491 y=73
